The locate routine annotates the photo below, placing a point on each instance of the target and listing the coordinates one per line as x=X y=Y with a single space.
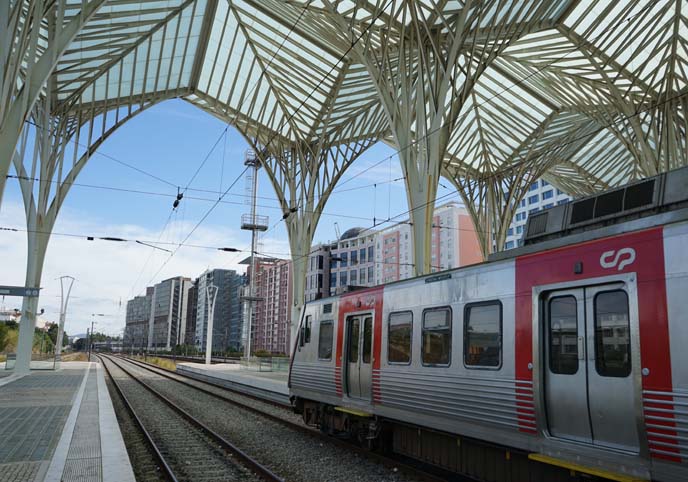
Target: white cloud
x=106 y=272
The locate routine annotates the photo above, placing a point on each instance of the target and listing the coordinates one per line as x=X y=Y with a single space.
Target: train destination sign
x=18 y=291
x=439 y=277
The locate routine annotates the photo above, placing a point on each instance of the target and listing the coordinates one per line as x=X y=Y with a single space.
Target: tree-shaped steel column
x=45 y=177
x=34 y=35
x=424 y=60
x=303 y=177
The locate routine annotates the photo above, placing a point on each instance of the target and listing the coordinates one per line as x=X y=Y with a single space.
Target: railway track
x=283 y=416
x=185 y=447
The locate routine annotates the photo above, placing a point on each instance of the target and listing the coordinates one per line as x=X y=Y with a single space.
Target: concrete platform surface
x=61 y=426
x=268 y=385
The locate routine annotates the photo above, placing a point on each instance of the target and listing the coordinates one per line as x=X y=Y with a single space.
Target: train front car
x=563 y=357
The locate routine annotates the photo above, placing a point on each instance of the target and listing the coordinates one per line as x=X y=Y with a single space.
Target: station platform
x=60 y=426
x=269 y=385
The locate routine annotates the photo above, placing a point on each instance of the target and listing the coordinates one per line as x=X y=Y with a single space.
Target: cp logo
x=618 y=259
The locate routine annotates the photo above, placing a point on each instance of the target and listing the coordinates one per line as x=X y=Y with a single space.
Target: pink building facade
x=271 y=320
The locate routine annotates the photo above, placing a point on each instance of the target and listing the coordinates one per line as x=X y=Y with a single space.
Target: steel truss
x=490 y=94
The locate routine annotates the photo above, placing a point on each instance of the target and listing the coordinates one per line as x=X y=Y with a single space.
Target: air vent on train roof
x=634 y=197
x=605 y=207
x=656 y=195
x=327 y=308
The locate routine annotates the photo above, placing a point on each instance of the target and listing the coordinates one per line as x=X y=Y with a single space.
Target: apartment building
x=363 y=257
x=272 y=314
x=137 y=320
x=352 y=261
x=167 y=322
x=454 y=243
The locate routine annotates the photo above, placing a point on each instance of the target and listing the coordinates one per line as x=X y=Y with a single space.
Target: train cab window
x=483 y=335
x=325 y=340
x=306 y=331
x=563 y=335
x=437 y=336
x=612 y=334
x=399 y=332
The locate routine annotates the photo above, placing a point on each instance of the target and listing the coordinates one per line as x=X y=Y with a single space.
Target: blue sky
x=170 y=141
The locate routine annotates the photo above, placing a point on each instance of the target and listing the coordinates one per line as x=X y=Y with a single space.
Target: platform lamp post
x=65 y=282
x=211 y=295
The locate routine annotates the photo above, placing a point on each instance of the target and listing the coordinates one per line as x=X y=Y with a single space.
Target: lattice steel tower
x=254 y=223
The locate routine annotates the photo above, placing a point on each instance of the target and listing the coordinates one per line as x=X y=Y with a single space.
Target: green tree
x=4 y=336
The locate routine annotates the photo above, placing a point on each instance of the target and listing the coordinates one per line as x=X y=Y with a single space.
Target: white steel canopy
x=490 y=94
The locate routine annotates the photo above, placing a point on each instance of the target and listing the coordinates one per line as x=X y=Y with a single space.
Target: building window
x=544 y=183
x=333 y=280
x=533 y=186
x=533 y=199
x=437 y=336
x=320 y=281
x=519 y=229
x=399 y=337
x=352 y=277
x=523 y=203
x=342 y=278
x=344 y=260
x=325 y=340
x=533 y=211
x=509 y=245
x=548 y=205
x=371 y=252
x=354 y=258
x=483 y=334
x=362 y=276
x=510 y=232
x=563 y=201
x=371 y=274
x=548 y=194
x=320 y=262
x=362 y=255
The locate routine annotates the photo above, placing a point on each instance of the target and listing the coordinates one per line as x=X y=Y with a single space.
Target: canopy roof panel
x=609 y=77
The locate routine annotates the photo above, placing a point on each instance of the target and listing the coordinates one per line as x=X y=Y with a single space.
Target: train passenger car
x=568 y=355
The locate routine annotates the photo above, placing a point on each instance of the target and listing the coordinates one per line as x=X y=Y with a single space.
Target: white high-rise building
x=540 y=195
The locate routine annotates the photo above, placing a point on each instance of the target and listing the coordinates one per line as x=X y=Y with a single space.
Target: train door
x=589 y=375
x=359 y=347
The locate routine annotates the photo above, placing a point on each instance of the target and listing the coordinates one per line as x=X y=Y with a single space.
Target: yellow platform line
x=353 y=411
x=584 y=469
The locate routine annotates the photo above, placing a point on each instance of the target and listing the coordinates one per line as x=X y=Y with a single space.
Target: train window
x=563 y=335
x=354 y=332
x=612 y=334
x=400 y=329
x=483 y=334
x=325 y=340
x=367 y=339
x=437 y=336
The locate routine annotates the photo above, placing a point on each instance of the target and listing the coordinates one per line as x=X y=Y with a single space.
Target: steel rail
x=261 y=470
x=168 y=472
x=376 y=457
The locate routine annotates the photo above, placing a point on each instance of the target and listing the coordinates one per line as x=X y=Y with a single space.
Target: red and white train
x=568 y=355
